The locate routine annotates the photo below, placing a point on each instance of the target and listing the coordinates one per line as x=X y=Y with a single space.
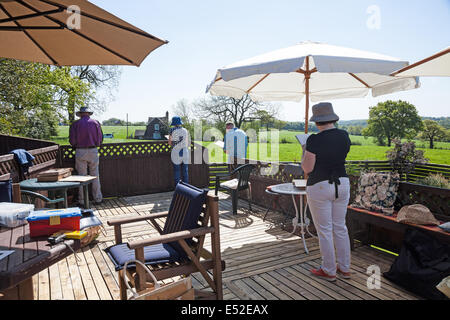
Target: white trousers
x=86 y=160
x=328 y=215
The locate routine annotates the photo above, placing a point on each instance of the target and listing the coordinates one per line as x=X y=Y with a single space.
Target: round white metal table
x=300 y=219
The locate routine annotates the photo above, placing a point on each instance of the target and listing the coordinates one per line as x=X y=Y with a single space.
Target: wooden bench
x=436 y=199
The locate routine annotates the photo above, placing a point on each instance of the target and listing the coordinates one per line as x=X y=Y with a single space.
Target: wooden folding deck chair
x=178 y=250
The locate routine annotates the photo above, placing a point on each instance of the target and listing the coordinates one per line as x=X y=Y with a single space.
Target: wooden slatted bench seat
x=436 y=199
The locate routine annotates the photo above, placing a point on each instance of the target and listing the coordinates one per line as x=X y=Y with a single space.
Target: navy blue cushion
x=158 y=253
x=185 y=208
x=6 y=191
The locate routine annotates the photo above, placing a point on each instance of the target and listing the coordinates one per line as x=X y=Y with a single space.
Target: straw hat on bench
x=417 y=214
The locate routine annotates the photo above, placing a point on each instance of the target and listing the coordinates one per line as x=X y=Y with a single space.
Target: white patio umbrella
x=437 y=65
x=316 y=70
x=70 y=32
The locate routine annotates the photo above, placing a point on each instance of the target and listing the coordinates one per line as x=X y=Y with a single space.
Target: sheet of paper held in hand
x=302 y=138
x=299 y=183
x=78 y=179
x=220 y=144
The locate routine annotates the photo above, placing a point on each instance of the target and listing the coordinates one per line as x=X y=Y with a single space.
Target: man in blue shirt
x=235 y=143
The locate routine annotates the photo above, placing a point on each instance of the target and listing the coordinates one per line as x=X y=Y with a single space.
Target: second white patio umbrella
x=316 y=70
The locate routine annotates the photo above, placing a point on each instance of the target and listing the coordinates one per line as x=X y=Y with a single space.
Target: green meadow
x=120 y=134
x=288 y=148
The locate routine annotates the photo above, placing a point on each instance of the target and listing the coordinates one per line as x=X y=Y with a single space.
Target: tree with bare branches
x=223 y=109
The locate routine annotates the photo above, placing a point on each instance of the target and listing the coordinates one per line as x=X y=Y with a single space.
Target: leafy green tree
x=33 y=97
x=432 y=132
x=393 y=119
x=114 y=122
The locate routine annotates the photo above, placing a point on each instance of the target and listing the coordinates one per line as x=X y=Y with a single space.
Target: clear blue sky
x=206 y=35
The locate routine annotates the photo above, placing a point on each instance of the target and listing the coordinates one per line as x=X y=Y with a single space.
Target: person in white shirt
x=235 y=143
x=179 y=140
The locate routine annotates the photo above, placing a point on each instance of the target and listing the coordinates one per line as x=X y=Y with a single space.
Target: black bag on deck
x=422 y=263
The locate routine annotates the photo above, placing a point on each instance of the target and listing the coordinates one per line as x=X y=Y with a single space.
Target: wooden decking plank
x=269 y=287
x=305 y=269
x=237 y=291
x=349 y=285
x=317 y=294
x=293 y=284
x=88 y=282
x=44 y=285
x=299 y=272
x=96 y=275
x=56 y=292
x=274 y=281
x=66 y=283
x=361 y=266
x=260 y=290
x=277 y=259
x=76 y=278
x=106 y=273
x=249 y=291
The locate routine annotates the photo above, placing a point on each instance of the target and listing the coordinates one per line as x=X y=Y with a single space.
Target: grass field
x=120 y=134
x=362 y=148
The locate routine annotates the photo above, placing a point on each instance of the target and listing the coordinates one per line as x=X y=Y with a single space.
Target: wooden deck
x=262 y=260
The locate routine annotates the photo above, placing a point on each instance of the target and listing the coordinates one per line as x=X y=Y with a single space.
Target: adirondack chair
x=237 y=184
x=178 y=250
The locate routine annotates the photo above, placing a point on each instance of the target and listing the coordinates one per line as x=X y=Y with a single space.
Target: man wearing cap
x=235 y=144
x=179 y=140
x=328 y=191
x=86 y=136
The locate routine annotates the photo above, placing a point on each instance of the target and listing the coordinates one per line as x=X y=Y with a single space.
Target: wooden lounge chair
x=178 y=250
x=241 y=182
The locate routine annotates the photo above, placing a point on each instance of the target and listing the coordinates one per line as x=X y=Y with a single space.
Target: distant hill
x=355 y=126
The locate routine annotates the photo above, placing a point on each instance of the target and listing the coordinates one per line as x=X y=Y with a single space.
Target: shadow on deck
x=263 y=261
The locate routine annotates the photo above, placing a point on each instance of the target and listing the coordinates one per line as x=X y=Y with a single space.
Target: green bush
x=435 y=180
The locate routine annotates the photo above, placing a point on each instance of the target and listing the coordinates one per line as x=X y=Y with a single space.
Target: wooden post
x=213 y=207
x=307 y=77
x=17 y=198
x=140 y=272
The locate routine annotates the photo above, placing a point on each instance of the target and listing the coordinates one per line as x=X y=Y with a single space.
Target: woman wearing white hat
x=328 y=191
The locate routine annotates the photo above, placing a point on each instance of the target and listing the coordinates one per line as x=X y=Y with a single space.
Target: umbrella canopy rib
x=260 y=80
x=29 y=36
x=76 y=32
x=29 y=16
x=435 y=56
x=105 y=21
x=359 y=79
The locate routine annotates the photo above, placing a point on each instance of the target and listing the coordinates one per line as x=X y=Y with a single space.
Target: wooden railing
x=9 y=143
x=137 y=168
x=45 y=158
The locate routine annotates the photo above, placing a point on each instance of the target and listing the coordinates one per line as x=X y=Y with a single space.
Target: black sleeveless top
x=331 y=148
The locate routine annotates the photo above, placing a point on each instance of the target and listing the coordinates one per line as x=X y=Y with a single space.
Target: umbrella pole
x=307 y=77
x=307 y=103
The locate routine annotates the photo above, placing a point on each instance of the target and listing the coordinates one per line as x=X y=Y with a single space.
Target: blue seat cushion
x=6 y=191
x=158 y=253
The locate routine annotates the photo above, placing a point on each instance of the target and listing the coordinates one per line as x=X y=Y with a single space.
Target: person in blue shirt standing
x=235 y=143
x=179 y=140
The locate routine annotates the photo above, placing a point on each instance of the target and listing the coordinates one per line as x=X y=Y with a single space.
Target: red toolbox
x=47 y=222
